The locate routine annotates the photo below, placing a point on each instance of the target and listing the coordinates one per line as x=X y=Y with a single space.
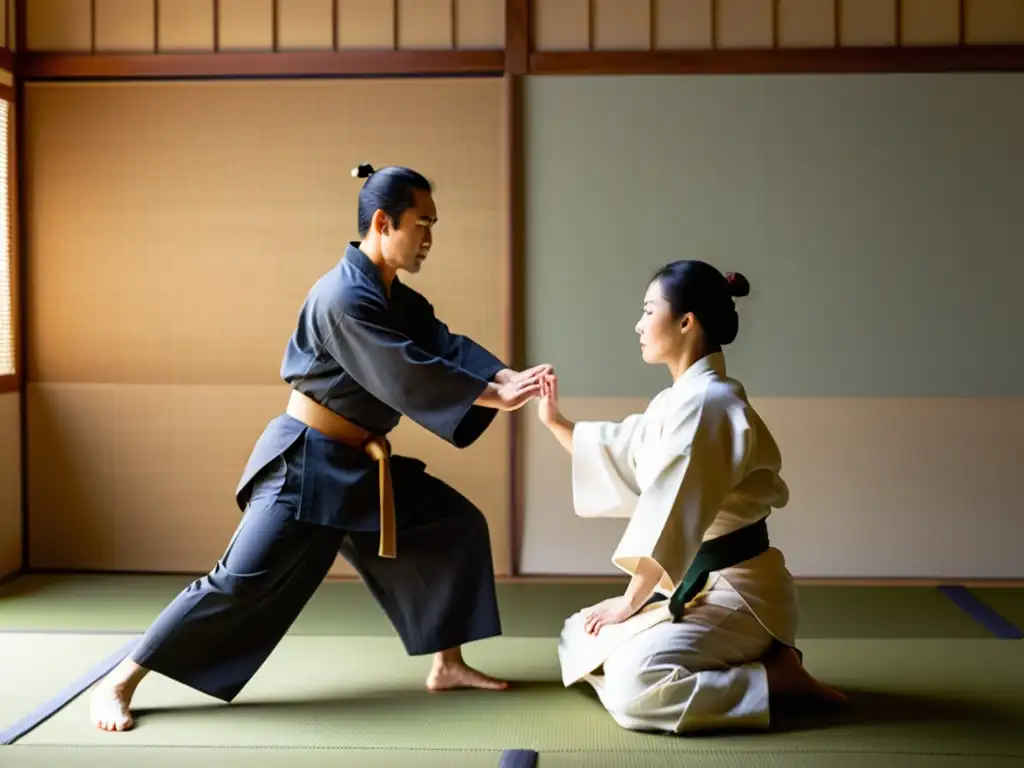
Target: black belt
x=716 y=555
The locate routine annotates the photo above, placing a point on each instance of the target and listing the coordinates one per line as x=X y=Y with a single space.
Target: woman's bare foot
x=450 y=671
x=110 y=702
x=788 y=678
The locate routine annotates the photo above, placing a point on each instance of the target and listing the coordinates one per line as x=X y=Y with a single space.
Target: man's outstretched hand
x=507 y=375
x=512 y=390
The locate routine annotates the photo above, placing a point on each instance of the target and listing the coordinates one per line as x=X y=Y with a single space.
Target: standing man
x=367 y=349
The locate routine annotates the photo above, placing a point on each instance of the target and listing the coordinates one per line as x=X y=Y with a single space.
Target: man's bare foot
x=450 y=671
x=788 y=678
x=109 y=708
x=110 y=702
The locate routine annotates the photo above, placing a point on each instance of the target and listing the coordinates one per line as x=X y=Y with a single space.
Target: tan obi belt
x=337 y=427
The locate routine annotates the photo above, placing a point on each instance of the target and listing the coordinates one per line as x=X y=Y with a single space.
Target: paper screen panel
x=684 y=24
x=994 y=22
x=480 y=24
x=868 y=22
x=930 y=22
x=125 y=26
x=186 y=25
x=425 y=24
x=366 y=23
x=622 y=25
x=59 y=25
x=305 y=25
x=745 y=24
x=561 y=25
x=246 y=25
x=806 y=23
x=190 y=240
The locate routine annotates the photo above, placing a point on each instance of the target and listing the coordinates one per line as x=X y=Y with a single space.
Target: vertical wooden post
x=275 y=22
x=19 y=274
x=453 y=13
x=334 y=25
x=517 y=63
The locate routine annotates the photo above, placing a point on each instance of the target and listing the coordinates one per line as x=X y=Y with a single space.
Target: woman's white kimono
x=697 y=464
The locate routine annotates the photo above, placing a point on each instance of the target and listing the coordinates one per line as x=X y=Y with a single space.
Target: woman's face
x=661 y=335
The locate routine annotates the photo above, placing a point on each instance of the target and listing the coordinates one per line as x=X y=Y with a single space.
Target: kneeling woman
x=704 y=633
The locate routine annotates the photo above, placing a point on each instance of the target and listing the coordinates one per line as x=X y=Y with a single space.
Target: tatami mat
x=171 y=757
x=883 y=612
x=34 y=668
x=1007 y=602
x=940 y=697
x=116 y=603
x=201 y=757
x=766 y=760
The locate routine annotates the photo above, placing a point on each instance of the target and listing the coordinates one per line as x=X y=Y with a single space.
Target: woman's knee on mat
x=660 y=654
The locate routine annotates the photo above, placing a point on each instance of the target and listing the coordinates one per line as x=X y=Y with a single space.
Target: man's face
x=407 y=245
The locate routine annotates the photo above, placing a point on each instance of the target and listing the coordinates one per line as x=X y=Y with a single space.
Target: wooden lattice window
x=6 y=272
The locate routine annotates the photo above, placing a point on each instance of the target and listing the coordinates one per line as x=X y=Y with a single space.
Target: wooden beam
x=393 y=63
x=517 y=36
x=801 y=581
x=517 y=57
x=781 y=61
x=12 y=576
x=20 y=25
x=41 y=66
x=19 y=279
x=514 y=276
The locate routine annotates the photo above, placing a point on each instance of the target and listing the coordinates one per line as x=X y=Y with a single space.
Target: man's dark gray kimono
x=305 y=497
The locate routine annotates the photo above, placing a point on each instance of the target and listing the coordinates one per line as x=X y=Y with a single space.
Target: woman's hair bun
x=362 y=171
x=738 y=285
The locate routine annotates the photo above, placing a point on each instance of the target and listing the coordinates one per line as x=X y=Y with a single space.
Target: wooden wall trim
x=7 y=60
x=801 y=581
x=395 y=63
x=40 y=66
x=21 y=25
x=781 y=61
x=518 y=29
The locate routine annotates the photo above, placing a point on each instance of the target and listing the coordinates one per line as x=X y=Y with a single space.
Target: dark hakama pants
x=438 y=593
